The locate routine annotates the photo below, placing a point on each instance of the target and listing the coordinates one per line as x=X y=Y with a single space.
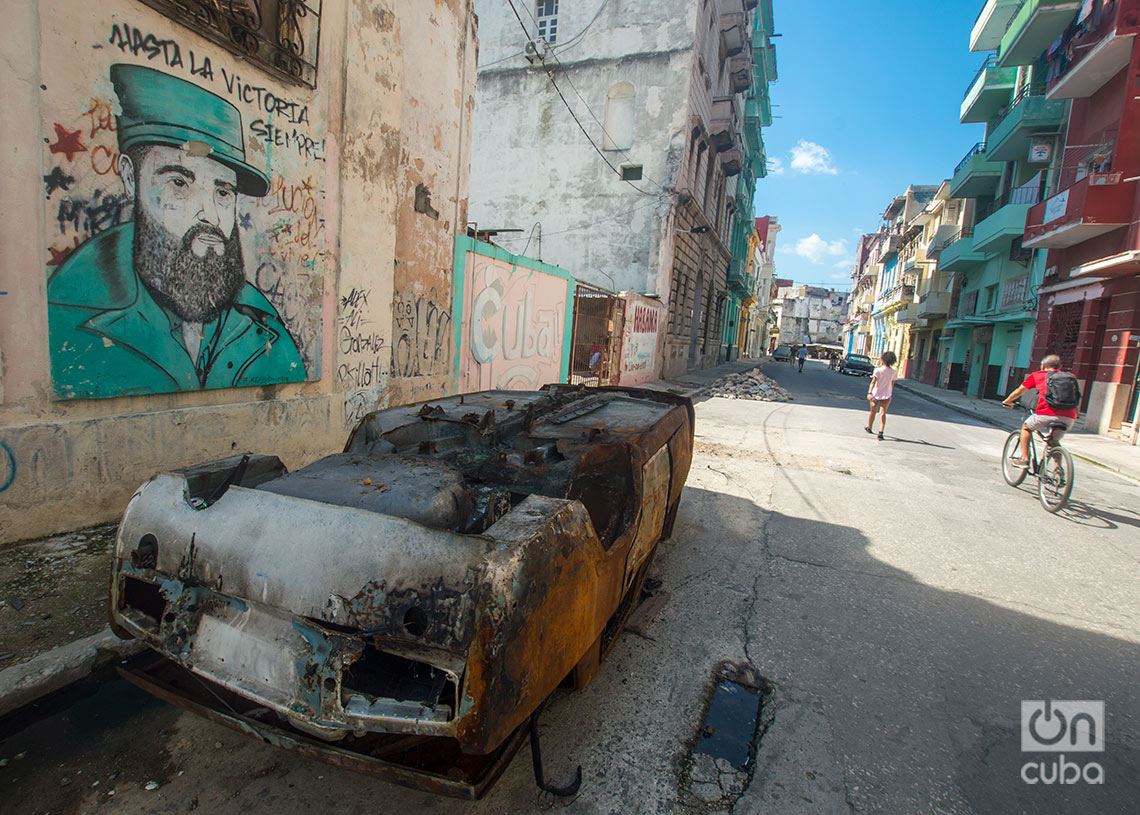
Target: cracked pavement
x=901 y=599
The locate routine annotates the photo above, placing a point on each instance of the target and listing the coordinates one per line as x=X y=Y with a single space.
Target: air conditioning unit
x=536 y=51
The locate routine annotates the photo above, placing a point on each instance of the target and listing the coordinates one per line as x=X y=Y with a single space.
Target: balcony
x=991 y=24
x=975 y=176
x=730 y=161
x=740 y=72
x=1093 y=54
x=733 y=34
x=1030 y=114
x=1096 y=204
x=1033 y=27
x=888 y=247
x=934 y=304
x=1014 y=294
x=908 y=314
x=1004 y=219
x=987 y=93
x=960 y=253
x=899 y=294
x=722 y=124
x=940 y=240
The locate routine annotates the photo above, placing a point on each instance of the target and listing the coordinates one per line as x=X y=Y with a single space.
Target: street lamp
x=696 y=230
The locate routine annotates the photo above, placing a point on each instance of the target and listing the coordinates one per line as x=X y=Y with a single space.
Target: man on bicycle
x=1047 y=414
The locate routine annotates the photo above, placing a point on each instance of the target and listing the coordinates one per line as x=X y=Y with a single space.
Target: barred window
x=546 y=15
x=280 y=36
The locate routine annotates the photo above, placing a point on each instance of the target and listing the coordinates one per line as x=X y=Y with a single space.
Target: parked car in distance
x=858 y=364
x=405 y=607
x=782 y=353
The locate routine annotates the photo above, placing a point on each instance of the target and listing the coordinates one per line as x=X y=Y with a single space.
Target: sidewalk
x=1103 y=451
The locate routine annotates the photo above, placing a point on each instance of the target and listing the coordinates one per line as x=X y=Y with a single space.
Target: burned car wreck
x=406 y=606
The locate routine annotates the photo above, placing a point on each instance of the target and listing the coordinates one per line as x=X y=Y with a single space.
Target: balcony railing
x=989 y=63
x=1013 y=293
x=1086 y=57
x=1020 y=195
x=964 y=232
x=1025 y=93
x=979 y=148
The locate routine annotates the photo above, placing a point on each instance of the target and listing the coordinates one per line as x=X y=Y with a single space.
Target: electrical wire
x=573 y=115
x=577 y=38
x=580 y=227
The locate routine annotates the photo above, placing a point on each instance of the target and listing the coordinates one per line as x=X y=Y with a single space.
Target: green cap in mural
x=158 y=108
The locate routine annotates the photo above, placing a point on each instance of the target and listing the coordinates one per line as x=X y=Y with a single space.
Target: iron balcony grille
x=989 y=63
x=281 y=36
x=1021 y=195
x=979 y=148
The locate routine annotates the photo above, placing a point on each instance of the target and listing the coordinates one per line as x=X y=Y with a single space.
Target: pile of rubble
x=749 y=385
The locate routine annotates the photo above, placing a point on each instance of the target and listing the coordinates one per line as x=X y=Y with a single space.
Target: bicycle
x=1055 y=470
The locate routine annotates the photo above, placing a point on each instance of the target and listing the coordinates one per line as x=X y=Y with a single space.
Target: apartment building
x=1002 y=177
x=1088 y=227
x=624 y=140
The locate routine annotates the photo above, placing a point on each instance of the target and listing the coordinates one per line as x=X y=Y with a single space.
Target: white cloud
x=816 y=249
x=775 y=166
x=845 y=263
x=809 y=157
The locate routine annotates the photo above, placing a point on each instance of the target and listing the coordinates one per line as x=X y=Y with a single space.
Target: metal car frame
x=415 y=648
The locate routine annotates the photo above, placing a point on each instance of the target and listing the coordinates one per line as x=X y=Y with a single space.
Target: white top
x=883 y=382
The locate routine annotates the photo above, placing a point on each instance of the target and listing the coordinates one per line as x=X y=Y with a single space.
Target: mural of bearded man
x=162 y=304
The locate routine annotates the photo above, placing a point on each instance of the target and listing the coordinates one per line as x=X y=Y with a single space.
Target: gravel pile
x=749 y=385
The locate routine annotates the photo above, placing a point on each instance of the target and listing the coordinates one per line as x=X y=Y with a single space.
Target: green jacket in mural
x=110 y=338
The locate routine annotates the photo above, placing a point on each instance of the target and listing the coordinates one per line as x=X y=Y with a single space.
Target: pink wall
x=514 y=326
x=641 y=340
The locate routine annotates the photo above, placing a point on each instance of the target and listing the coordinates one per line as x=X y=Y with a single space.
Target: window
x=546 y=13
x=280 y=36
x=631 y=172
x=991 y=297
x=618 y=125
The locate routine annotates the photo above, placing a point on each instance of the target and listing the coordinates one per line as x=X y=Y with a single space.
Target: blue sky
x=868 y=97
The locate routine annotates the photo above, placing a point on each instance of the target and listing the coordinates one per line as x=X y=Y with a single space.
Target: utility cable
x=573 y=115
x=580 y=227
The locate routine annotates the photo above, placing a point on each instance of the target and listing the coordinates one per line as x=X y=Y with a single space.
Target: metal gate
x=594 y=351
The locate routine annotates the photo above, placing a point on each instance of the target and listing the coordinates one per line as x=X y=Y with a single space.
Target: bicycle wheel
x=1055 y=479
x=1013 y=475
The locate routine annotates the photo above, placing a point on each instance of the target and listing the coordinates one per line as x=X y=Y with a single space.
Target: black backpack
x=1061 y=390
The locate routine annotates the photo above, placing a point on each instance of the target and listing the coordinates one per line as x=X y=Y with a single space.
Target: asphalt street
x=897 y=597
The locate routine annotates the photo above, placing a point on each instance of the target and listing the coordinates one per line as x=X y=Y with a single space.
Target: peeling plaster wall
x=533 y=169
x=349 y=263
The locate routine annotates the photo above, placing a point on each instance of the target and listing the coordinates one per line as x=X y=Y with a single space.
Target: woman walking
x=879 y=394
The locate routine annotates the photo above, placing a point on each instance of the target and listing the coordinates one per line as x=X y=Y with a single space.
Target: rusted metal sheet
x=439 y=578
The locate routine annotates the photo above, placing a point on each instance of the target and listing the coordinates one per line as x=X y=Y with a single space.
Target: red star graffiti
x=58 y=256
x=67 y=142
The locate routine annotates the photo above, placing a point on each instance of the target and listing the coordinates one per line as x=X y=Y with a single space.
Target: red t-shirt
x=1037 y=380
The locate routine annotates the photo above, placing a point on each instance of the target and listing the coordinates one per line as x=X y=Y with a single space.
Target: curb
x=951 y=406
x=22 y=684
x=994 y=423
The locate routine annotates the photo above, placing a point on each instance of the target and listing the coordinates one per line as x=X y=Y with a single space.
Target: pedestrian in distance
x=802 y=355
x=879 y=394
x=792 y=356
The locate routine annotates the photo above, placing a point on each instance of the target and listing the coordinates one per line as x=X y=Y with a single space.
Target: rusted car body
x=404 y=607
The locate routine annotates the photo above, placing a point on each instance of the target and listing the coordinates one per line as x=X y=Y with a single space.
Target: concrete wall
x=517 y=318
x=533 y=169
x=641 y=340
x=343 y=270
